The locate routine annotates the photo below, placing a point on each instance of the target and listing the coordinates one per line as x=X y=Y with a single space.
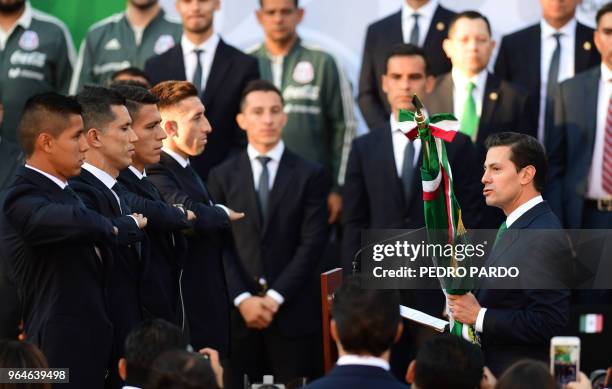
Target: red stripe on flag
x=437 y=132
x=429 y=196
x=449 y=217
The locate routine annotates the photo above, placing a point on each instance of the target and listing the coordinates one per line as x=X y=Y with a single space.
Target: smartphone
x=564 y=359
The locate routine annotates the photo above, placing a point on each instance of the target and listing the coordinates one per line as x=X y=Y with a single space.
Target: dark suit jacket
x=519 y=323
x=571 y=147
x=504 y=108
x=126 y=309
x=286 y=249
x=48 y=241
x=160 y=276
x=204 y=287
x=511 y=65
x=231 y=71
x=12 y=157
x=380 y=38
x=357 y=377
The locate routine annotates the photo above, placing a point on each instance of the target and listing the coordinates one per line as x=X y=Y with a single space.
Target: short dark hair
x=406 y=50
x=22 y=355
x=97 y=102
x=468 y=15
x=525 y=150
x=129 y=82
x=145 y=343
x=180 y=369
x=131 y=71
x=46 y=112
x=526 y=374
x=135 y=97
x=295 y=2
x=366 y=319
x=259 y=86
x=448 y=361
x=171 y=93
x=602 y=11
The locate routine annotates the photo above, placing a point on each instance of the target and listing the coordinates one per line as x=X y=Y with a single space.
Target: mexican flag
x=441 y=207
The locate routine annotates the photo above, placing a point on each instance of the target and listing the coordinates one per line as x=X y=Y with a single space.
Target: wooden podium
x=330 y=281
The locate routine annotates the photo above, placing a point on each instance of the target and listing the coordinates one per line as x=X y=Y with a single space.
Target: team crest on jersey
x=29 y=40
x=303 y=72
x=164 y=43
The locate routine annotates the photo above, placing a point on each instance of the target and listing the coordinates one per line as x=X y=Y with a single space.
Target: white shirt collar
x=137 y=172
x=460 y=80
x=606 y=73
x=521 y=210
x=275 y=154
x=100 y=174
x=130 y=387
x=177 y=157
x=363 y=360
x=60 y=183
x=426 y=10
x=209 y=46
x=568 y=30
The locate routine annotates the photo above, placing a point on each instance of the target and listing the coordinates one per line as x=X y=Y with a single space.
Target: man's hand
x=488 y=380
x=582 y=383
x=213 y=357
x=270 y=304
x=463 y=308
x=334 y=204
x=140 y=220
x=190 y=215
x=254 y=312
x=233 y=215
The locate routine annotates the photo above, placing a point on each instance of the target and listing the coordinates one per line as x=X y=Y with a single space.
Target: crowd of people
x=166 y=192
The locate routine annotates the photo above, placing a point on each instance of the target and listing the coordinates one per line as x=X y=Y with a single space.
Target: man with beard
x=123 y=40
x=219 y=72
x=37 y=54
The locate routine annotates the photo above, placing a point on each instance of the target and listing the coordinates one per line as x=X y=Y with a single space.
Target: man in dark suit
x=219 y=71
x=110 y=137
x=365 y=324
x=204 y=286
x=481 y=101
x=423 y=23
x=50 y=242
x=273 y=281
x=557 y=47
x=515 y=324
x=160 y=278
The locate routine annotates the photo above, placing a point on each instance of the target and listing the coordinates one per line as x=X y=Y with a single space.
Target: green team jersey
x=111 y=45
x=318 y=102
x=36 y=57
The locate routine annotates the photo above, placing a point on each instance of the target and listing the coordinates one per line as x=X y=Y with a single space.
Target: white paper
x=423 y=318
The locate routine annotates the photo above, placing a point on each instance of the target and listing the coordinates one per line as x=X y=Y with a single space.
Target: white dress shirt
x=460 y=82
x=103 y=176
x=60 y=183
x=399 y=145
x=363 y=360
x=426 y=13
x=566 y=61
x=209 y=48
x=275 y=156
x=595 y=188
x=24 y=21
x=137 y=172
x=510 y=219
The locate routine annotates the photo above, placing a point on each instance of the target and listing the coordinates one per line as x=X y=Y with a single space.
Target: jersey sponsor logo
x=113 y=44
x=29 y=40
x=110 y=67
x=300 y=108
x=25 y=73
x=35 y=58
x=303 y=72
x=305 y=92
x=164 y=43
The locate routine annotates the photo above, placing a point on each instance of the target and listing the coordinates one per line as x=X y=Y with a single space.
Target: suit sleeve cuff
x=135 y=221
x=241 y=297
x=275 y=296
x=223 y=207
x=480 y=320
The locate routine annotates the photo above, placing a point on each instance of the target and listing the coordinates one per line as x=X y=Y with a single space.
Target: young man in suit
x=481 y=101
x=513 y=323
x=160 y=279
x=560 y=45
x=273 y=280
x=219 y=72
x=52 y=244
x=423 y=23
x=110 y=139
x=204 y=286
x=365 y=324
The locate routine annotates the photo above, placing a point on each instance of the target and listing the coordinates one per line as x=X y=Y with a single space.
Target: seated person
x=179 y=369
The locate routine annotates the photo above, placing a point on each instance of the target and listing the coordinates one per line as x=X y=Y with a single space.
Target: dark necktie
x=551 y=87
x=73 y=194
x=197 y=75
x=408 y=171
x=263 y=191
x=414 y=34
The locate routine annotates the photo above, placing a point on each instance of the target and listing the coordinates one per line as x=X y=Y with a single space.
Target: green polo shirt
x=110 y=45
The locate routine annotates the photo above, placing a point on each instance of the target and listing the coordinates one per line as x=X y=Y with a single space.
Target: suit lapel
x=535 y=55
x=176 y=64
x=385 y=155
x=245 y=177
x=396 y=35
x=220 y=66
x=589 y=99
x=582 y=47
x=492 y=96
x=93 y=181
x=433 y=27
x=281 y=184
